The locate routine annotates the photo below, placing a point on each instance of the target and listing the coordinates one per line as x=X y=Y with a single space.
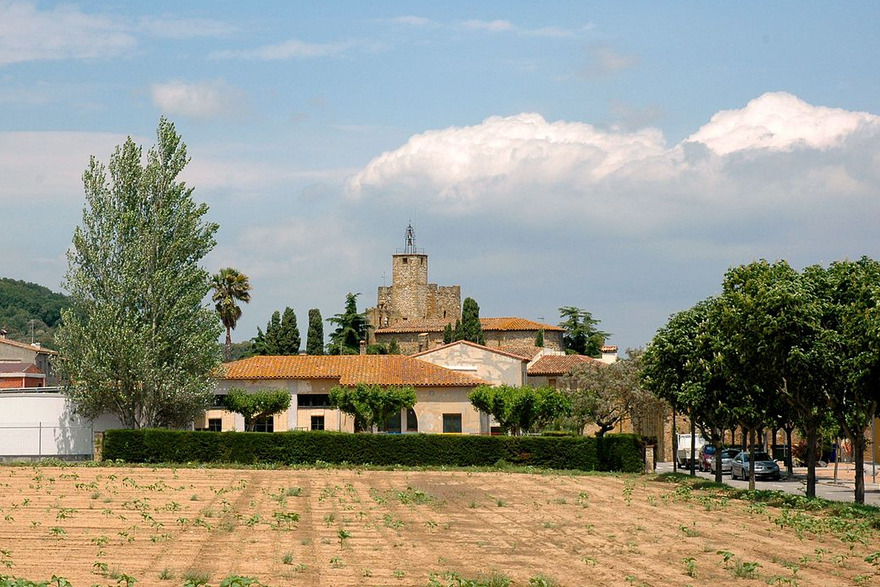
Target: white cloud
x=64 y=32
x=604 y=60
x=204 y=99
x=177 y=28
x=291 y=49
x=779 y=121
x=493 y=26
x=525 y=171
x=411 y=20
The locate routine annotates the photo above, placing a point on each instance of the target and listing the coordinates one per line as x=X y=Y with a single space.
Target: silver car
x=765 y=466
x=727 y=456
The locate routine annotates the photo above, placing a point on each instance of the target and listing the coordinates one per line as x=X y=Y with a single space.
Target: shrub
x=616 y=452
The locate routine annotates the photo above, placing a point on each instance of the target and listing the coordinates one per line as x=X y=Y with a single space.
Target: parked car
x=765 y=466
x=707 y=454
x=727 y=456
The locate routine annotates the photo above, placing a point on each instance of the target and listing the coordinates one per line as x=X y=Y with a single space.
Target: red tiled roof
x=476 y=346
x=350 y=370
x=514 y=323
x=488 y=324
x=20 y=368
x=559 y=364
x=30 y=347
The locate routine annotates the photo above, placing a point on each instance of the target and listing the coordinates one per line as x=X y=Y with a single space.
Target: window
x=392 y=425
x=317 y=422
x=452 y=423
x=215 y=424
x=265 y=424
x=412 y=421
x=313 y=400
x=219 y=401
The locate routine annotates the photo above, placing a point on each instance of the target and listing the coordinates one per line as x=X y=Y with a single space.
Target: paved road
x=825 y=488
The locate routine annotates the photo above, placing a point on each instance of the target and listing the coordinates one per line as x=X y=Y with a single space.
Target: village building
x=442 y=404
x=13 y=351
x=414 y=313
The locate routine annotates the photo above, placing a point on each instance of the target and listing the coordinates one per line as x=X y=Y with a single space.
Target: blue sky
x=619 y=158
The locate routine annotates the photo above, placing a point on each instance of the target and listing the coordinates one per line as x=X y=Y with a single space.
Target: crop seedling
x=343 y=535
x=287 y=558
x=543 y=581
x=166 y=575
x=336 y=562
x=690 y=565
x=745 y=569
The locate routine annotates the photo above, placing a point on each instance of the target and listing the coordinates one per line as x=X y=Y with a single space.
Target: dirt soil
x=94 y=525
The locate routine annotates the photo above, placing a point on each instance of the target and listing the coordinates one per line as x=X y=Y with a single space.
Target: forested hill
x=21 y=302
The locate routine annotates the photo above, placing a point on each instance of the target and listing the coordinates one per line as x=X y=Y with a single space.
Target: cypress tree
x=539 y=340
x=315 y=336
x=470 y=322
x=448 y=334
x=288 y=334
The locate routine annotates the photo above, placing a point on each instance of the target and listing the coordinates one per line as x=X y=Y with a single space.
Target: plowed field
x=99 y=525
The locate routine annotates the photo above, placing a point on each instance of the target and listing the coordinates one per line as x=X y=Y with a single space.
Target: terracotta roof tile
x=30 y=347
x=559 y=364
x=350 y=370
x=514 y=323
x=20 y=368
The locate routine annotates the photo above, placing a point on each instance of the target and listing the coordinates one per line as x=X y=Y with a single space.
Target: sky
x=617 y=157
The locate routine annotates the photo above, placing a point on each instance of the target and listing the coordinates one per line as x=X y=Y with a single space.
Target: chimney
x=363 y=347
x=609 y=354
x=423 y=341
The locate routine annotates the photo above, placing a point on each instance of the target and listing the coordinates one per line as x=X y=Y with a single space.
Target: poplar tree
x=137 y=340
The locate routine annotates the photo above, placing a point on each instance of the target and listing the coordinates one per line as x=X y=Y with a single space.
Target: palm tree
x=230 y=286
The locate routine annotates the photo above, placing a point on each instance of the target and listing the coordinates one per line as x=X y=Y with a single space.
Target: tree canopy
x=351 y=328
x=137 y=341
x=520 y=409
x=281 y=336
x=27 y=308
x=372 y=405
x=581 y=335
x=256 y=404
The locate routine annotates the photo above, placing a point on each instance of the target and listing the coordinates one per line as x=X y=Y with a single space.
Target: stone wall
x=504 y=338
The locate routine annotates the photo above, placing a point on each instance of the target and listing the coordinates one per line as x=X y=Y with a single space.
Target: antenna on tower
x=410 y=247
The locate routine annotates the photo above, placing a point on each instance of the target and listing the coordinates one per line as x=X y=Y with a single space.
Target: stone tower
x=410 y=297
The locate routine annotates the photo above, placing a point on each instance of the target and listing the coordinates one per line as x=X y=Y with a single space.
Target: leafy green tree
x=137 y=341
x=315 y=336
x=581 y=335
x=394 y=347
x=288 y=335
x=471 y=329
x=230 y=287
x=539 y=340
x=854 y=298
x=371 y=405
x=256 y=404
x=520 y=409
x=351 y=328
x=603 y=394
x=777 y=333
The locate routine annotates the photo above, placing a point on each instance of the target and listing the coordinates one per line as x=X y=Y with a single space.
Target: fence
x=45 y=440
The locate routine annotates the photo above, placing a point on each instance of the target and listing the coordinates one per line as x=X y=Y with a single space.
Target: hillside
x=22 y=302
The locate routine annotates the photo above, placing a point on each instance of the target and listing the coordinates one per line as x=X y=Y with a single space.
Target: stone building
x=410 y=297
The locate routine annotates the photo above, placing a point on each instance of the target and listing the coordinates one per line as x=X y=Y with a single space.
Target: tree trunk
x=789 y=465
x=228 y=348
x=693 y=446
x=674 y=444
x=751 y=459
x=859 y=458
x=811 y=463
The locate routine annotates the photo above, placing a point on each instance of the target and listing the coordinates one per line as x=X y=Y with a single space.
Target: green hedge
x=618 y=452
